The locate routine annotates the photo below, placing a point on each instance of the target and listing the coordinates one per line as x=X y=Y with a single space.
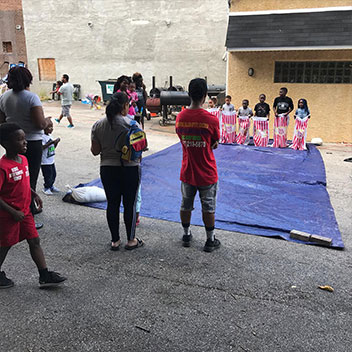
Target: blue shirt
x=301 y=113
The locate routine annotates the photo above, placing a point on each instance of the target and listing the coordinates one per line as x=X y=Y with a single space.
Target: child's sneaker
x=53 y=189
x=57 y=120
x=47 y=191
x=211 y=245
x=4 y=281
x=51 y=279
x=70 y=126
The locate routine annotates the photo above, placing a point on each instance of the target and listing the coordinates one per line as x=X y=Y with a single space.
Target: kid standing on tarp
x=214 y=110
x=228 y=122
x=244 y=113
x=283 y=105
x=228 y=107
x=261 y=122
x=302 y=115
x=16 y=219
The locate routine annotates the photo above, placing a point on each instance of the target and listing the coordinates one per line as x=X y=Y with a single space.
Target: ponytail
x=115 y=107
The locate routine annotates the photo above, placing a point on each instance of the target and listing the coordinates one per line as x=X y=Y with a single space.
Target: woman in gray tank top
x=120 y=179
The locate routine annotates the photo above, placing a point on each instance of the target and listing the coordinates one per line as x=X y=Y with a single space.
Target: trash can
x=107 y=89
x=76 y=91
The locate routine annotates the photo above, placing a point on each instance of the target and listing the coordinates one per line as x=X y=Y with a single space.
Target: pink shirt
x=133 y=95
x=131 y=110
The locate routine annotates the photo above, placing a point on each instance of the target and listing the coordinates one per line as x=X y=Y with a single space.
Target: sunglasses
x=20 y=64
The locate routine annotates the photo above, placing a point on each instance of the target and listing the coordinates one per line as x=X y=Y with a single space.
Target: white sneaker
x=47 y=191
x=53 y=189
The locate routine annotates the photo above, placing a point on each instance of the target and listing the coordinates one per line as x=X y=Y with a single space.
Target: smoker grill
x=166 y=101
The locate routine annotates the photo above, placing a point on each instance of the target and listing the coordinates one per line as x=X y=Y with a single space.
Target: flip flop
x=139 y=243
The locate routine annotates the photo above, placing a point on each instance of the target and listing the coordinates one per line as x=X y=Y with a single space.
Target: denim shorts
x=207 y=195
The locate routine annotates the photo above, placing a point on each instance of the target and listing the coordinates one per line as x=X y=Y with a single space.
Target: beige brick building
x=314 y=60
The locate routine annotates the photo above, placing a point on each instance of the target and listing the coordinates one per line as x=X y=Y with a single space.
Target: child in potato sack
x=244 y=114
x=302 y=115
x=261 y=122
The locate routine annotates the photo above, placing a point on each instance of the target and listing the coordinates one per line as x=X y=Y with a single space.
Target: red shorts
x=12 y=232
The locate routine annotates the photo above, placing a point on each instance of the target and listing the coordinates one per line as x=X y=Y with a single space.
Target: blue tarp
x=262 y=191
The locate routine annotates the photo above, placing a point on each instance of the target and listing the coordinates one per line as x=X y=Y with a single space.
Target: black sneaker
x=186 y=240
x=4 y=281
x=52 y=279
x=211 y=245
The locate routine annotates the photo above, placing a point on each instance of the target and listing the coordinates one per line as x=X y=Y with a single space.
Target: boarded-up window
x=7 y=47
x=47 y=69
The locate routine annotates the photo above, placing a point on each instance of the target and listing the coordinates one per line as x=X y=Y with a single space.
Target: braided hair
x=305 y=104
x=119 y=81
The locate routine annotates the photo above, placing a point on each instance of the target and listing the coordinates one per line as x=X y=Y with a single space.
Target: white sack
x=89 y=194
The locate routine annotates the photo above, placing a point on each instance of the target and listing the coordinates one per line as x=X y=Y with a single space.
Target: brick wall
x=11 y=15
x=10 y=5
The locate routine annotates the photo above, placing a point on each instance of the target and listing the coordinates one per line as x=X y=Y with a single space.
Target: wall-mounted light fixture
x=251 y=71
x=18 y=27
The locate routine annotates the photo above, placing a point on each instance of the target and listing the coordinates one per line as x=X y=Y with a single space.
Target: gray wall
x=182 y=38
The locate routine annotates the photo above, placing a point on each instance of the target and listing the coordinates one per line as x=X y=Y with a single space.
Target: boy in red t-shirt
x=16 y=220
x=199 y=134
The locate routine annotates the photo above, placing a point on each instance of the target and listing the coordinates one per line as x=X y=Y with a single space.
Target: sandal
x=139 y=243
x=115 y=248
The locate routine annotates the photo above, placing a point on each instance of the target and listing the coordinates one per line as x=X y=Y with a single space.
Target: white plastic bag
x=89 y=194
x=317 y=141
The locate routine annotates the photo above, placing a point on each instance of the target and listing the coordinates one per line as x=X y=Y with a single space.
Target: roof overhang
x=286 y=11
x=292 y=48
x=327 y=28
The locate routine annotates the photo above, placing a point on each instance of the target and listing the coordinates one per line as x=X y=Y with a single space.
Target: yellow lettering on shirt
x=192 y=124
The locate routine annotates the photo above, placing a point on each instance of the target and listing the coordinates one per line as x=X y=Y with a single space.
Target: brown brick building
x=12 y=36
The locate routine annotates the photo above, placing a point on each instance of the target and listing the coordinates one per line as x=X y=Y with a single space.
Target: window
x=7 y=47
x=47 y=69
x=313 y=72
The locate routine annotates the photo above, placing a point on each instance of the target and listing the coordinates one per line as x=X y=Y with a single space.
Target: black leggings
x=34 y=157
x=121 y=182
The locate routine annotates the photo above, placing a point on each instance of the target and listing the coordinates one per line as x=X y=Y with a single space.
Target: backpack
x=134 y=143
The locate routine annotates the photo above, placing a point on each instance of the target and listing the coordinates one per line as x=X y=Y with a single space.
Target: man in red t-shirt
x=199 y=134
